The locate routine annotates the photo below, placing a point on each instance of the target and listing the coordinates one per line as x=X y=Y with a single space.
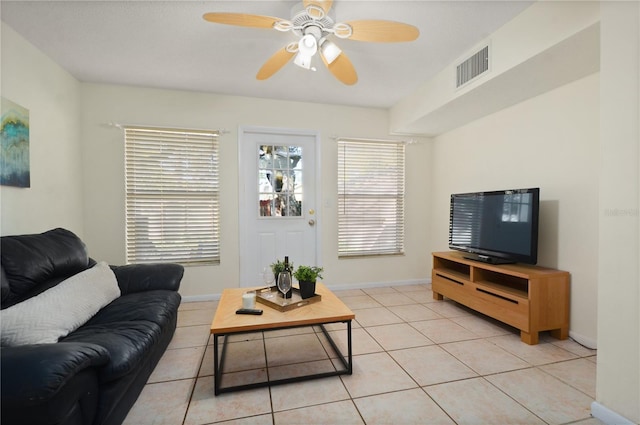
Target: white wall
x=551 y=142
x=104 y=180
x=618 y=381
x=32 y=80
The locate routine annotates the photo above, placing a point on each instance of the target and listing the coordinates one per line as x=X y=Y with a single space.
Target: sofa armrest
x=34 y=373
x=146 y=277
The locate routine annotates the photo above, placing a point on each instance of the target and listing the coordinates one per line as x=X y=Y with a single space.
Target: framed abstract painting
x=14 y=141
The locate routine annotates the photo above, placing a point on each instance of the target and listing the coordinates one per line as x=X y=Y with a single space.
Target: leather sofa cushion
x=29 y=260
x=129 y=329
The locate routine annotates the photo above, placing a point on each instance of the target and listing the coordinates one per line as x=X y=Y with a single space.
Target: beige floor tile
x=341 y=412
x=483 y=357
x=402 y=407
x=548 y=397
x=376 y=317
x=483 y=326
x=449 y=309
x=391 y=299
x=476 y=401
x=375 y=374
x=413 y=287
x=308 y=393
x=414 y=312
x=161 y=404
x=195 y=317
x=358 y=302
x=181 y=363
x=190 y=336
x=398 y=336
x=442 y=331
x=245 y=377
x=573 y=347
x=431 y=365
x=348 y=292
x=244 y=356
x=361 y=342
x=205 y=408
x=252 y=420
x=294 y=349
x=579 y=373
x=301 y=369
x=539 y=354
x=206 y=367
x=421 y=297
x=380 y=290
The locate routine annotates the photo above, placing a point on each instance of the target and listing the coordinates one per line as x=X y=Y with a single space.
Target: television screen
x=496 y=227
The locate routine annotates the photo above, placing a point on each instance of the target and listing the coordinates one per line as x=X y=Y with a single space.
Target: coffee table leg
x=218 y=362
x=216 y=368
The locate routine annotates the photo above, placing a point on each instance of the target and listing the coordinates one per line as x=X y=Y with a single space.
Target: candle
x=249 y=300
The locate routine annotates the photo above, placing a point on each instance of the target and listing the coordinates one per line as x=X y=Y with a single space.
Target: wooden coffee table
x=226 y=322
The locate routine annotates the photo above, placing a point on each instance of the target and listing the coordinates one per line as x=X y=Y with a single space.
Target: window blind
x=371 y=177
x=172 y=196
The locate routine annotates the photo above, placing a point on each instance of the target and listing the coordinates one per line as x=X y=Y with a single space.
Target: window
x=172 y=196
x=280 y=181
x=370 y=198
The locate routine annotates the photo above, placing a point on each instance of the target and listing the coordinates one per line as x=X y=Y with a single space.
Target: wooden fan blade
x=342 y=69
x=382 y=31
x=322 y=4
x=241 y=19
x=274 y=63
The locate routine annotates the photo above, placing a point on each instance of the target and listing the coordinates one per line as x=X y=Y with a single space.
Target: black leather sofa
x=94 y=374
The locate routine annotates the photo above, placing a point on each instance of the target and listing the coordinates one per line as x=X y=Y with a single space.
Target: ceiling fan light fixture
x=307 y=48
x=330 y=51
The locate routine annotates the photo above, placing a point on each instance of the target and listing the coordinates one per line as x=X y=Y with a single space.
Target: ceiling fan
x=313 y=24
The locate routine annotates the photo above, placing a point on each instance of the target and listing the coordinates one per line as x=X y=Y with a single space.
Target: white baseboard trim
x=199 y=298
x=608 y=416
x=339 y=287
x=583 y=340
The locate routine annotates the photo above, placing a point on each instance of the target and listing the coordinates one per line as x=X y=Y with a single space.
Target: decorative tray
x=273 y=298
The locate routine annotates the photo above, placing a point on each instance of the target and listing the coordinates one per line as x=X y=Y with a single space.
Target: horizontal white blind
x=172 y=196
x=370 y=198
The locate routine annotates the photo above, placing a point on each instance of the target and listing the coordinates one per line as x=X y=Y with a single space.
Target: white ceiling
x=167 y=44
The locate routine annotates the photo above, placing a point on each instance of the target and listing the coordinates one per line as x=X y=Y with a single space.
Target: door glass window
x=280 y=181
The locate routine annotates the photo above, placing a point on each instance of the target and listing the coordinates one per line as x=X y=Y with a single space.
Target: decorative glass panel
x=280 y=181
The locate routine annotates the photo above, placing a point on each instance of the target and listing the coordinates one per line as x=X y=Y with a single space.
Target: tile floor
x=416 y=361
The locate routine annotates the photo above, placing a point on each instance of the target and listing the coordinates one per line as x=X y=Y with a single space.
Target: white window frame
x=371 y=186
x=172 y=196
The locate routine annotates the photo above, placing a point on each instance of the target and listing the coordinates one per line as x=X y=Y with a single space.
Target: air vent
x=472 y=67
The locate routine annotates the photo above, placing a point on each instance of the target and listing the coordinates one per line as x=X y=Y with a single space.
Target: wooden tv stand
x=529 y=298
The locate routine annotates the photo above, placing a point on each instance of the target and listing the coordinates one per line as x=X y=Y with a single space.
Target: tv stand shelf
x=529 y=298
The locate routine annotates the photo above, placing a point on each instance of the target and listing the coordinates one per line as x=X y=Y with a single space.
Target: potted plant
x=277 y=267
x=307 y=276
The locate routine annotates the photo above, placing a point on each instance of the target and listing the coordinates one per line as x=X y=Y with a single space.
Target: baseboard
x=200 y=298
x=583 y=340
x=608 y=416
x=339 y=287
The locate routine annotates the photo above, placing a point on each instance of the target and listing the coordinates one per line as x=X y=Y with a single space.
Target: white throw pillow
x=60 y=310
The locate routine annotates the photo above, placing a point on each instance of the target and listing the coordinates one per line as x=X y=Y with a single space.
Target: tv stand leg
x=562 y=333
x=437 y=296
x=530 y=338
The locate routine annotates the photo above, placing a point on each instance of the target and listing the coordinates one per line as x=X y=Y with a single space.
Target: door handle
x=312 y=222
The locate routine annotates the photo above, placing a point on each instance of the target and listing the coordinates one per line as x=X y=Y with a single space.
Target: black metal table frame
x=219 y=360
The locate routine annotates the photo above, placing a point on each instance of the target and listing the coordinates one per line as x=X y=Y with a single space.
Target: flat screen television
x=496 y=227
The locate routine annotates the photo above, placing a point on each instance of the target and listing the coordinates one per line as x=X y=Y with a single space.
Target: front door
x=278 y=214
